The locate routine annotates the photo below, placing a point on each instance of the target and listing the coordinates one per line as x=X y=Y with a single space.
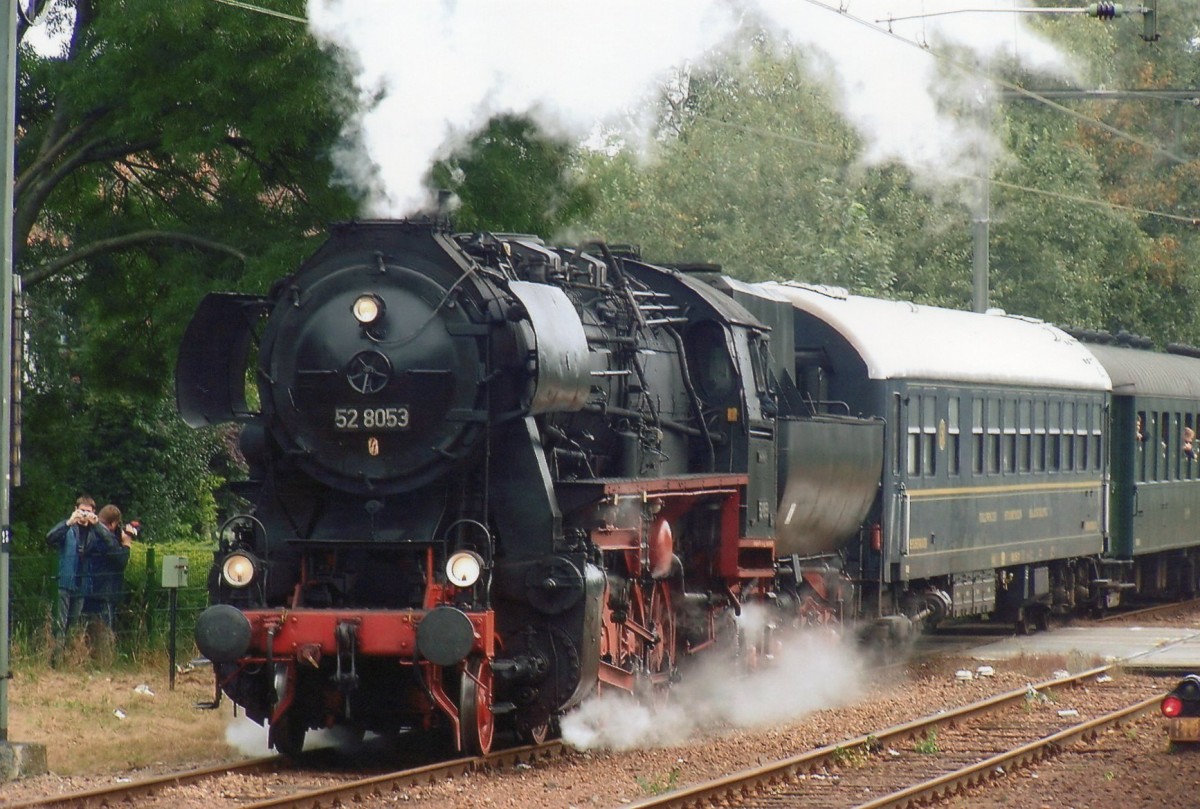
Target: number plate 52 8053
x=370 y=418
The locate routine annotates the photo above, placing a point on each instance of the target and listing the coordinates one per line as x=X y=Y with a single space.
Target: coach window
x=928 y=435
x=952 y=439
x=1054 y=460
x=1068 y=437
x=1153 y=453
x=1164 y=441
x=993 y=430
x=1039 y=436
x=1170 y=441
x=1008 y=441
x=1176 y=445
x=1081 y=436
x=1195 y=459
x=977 y=435
x=914 y=436
x=1140 y=445
x=1189 y=445
x=1181 y=440
x=1025 y=433
x=1097 y=434
x=897 y=432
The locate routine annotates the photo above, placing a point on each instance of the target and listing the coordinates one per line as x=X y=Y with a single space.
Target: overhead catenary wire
x=1091 y=10
x=1007 y=85
x=840 y=149
x=1032 y=95
x=260 y=10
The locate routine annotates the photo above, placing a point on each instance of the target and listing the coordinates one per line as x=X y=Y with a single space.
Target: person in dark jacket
x=104 y=561
x=69 y=538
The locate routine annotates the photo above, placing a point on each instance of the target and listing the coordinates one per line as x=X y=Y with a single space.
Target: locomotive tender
x=488 y=477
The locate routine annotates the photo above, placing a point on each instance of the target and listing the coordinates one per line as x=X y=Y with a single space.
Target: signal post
x=17 y=759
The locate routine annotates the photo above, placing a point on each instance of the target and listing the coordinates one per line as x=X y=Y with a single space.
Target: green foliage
x=752 y=174
x=514 y=178
x=928 y=746
x=853 y=757
x=659 y=784
x=208 y=122
x=1091 y=223
x=133 y=452
x=144 y=621
x=161 y=156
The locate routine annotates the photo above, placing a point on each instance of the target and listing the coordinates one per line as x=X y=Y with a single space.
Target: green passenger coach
x=993 y=494
x=1155 y=468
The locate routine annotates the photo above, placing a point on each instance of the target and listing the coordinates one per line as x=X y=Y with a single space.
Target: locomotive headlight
x=368 y=309
x=463 y=568
x=238 y=569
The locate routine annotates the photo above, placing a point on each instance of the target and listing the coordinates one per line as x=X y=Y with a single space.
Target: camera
x=81 y=517
x=132 y=528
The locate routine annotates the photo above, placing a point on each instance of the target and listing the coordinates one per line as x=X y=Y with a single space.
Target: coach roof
x=1149 y=373
x=901 y=340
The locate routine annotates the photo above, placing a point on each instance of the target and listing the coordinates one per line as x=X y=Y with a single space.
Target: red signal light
x=1171 y=706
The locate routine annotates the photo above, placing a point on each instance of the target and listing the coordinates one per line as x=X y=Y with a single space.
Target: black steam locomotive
x=489 y=477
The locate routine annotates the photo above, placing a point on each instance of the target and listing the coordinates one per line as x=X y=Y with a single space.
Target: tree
x=1140 y=155
x=1091 y=222
x=754 y=170
x=165 y=152
x=512 y=177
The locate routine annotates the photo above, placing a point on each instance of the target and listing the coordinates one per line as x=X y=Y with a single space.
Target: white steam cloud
x=247 y=737
x=250 y=738
x=813 y=671
x=429 y=75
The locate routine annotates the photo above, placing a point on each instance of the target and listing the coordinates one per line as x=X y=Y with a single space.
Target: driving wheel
x=477 y=723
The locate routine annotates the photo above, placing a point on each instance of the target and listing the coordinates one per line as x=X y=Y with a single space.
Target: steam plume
x=429 y=75
x=813 y=671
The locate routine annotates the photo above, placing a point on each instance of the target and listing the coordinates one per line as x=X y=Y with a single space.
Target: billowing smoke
x=813 y=670
x=428 y=76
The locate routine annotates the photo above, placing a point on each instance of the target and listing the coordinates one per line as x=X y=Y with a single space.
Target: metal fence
x=141 y=615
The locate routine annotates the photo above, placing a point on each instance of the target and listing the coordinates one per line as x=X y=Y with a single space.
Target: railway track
x=934 y=756
x=302 y=788
x=1146 y=612
x=144 y=787
x=273 y=781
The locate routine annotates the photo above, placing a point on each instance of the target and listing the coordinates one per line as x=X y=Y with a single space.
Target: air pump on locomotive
x=488 y=477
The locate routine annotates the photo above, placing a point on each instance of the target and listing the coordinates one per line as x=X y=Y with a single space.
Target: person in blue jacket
x=69 y=539
x=104 y=561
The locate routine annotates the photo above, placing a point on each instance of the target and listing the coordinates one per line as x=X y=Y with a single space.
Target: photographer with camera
x=69 y=539
x=105 y=559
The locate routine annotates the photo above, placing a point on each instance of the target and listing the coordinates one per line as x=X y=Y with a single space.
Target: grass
x=659 y=784
x=73 y=710
x=929 y=745
x=852 y=757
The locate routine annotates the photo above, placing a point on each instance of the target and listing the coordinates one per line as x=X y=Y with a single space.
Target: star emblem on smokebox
x=369 y=372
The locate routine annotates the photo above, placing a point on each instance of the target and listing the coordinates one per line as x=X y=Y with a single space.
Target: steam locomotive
x=489 y=477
